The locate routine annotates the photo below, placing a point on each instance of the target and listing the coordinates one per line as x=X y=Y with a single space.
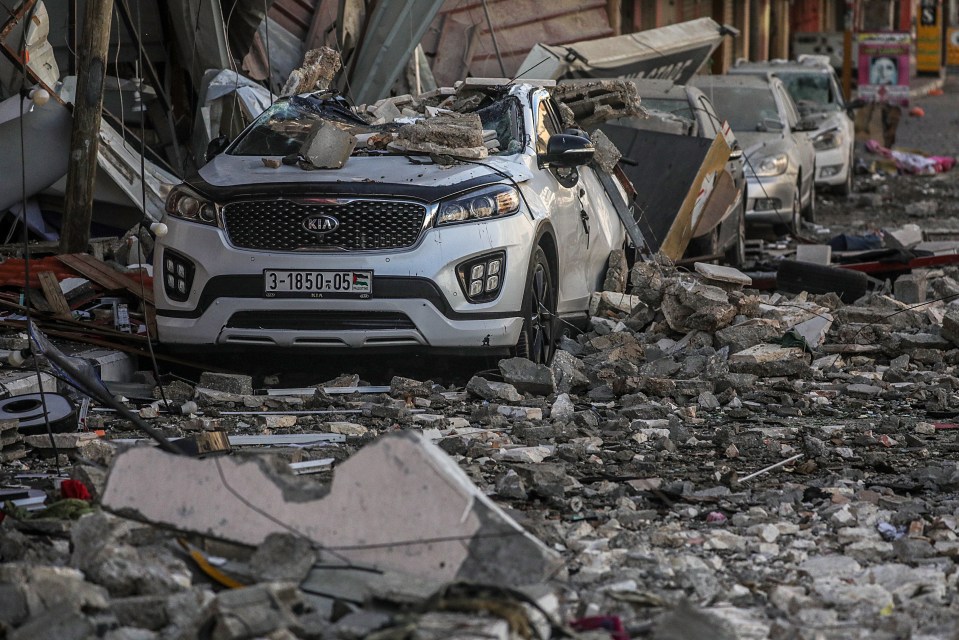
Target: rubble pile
x=707 y=458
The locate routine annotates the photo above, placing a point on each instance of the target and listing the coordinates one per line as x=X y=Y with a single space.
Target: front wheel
x=537 y=341
x=736 y=253
x=809 y=211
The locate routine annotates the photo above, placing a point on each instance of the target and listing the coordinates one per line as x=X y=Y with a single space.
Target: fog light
x=178 y=275
x=830 y=170
x=480 y=278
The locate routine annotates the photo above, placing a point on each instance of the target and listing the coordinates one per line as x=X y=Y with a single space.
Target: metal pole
x=492 y=34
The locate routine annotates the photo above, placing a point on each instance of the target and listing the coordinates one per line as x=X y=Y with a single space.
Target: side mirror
x=568 y=150
x=735 y=154
x=806 y=125
x=216 y=145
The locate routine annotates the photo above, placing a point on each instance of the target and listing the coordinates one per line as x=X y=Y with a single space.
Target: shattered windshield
x=746 y=109
x=810 y=91
x=678 y=108
x=283 y=129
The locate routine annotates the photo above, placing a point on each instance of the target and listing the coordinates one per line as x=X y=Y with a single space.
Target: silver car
x=813 y=86
x=395 y=249
x=780 y=159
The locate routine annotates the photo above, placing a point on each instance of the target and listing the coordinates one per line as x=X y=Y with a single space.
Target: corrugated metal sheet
x=459 y=43
x=295 y=16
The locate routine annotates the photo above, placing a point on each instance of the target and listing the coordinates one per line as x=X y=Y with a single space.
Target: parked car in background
x=395 y=249
x=686 y=110
x=780 y=159
x=814 y=87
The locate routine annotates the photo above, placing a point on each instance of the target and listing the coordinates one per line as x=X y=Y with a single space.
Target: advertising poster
x=929 y=37
x=952 y=51
x=884 y=67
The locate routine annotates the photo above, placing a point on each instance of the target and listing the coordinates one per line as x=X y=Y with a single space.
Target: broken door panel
x=673 y=175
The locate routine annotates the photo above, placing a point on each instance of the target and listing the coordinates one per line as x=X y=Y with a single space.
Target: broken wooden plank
x=105 y=276
x=54 y=294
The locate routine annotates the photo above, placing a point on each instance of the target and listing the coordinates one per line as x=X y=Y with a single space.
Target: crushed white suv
x=396 y=248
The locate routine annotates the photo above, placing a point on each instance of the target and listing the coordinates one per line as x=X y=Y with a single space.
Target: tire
x=537 y=340
x=796 y=277
x=809 y=211
x=795 y=223
x=736 y=254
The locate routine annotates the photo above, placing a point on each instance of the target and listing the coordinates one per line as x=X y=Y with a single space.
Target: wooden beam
x=84 y=141
x=54 y=294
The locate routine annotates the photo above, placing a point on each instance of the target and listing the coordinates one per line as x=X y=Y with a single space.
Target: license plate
x=317 y=284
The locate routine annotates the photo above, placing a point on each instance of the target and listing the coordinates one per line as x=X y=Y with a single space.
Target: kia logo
x=320 y=224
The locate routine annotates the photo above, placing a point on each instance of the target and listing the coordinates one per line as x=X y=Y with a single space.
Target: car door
x=806 y=152
x=568 y=214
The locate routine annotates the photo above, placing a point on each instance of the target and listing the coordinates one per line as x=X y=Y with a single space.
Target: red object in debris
x=12 y=271
x=74 y=489
x=716 y=517
x=917 y=112
x=942 y=426
x=613 y=624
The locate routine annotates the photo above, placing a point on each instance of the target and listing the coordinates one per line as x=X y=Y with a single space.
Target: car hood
x=760 y=144
x=826 y=121
x=228 y=177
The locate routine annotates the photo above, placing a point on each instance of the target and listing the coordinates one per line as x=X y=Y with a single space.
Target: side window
x=545 y=126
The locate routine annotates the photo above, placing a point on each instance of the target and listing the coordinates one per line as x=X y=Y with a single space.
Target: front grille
x=320 y=320
x=278 y=225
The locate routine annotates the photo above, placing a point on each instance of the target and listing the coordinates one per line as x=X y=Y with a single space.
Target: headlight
x=183 y=202
x=771 y=166
x=482 y=204
x=827 y=140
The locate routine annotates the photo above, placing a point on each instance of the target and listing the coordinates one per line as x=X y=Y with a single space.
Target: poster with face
x=884 y=67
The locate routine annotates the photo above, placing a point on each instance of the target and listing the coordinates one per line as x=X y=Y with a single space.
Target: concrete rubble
x=706 y=460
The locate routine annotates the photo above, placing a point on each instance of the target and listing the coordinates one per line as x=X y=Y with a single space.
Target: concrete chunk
x=411 y=491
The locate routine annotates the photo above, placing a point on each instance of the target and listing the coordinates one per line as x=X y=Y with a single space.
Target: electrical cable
x=24 y=95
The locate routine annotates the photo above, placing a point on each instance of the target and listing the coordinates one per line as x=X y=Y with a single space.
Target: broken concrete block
x=814 y=330
x=617 y=270
x=256 y=611
x=646 y=281
x=905 y=237
x=814 y=253
x=454 y=134
x=347 y=428
x=227 y=382
x=528 y=377
x=282 y=557
x=401 y=387
x=596 y=102
x=606 y=155
x=328 y=147
x=689 y=304
x=419 y=512
x=493 y=391
x=315 y=74
x=568 y=371
x=612 y=303
x=950 y=326
x=911 y=288
x=32 y=591
x=724 y=275
x=748 y=334
x=770 y=360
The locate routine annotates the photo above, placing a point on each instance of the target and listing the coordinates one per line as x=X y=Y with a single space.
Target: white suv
x=394 y=250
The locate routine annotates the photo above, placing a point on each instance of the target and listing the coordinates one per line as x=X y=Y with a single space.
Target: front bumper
x=416 y=300
x=832 y=166
x=770 y=200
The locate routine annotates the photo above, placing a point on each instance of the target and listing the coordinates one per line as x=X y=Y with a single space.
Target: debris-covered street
x=756 y=442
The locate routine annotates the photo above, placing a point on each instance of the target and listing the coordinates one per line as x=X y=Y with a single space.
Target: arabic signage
x=929 y=36
x=884 y=67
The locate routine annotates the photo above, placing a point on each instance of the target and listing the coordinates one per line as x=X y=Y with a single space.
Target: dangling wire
x=24 y=95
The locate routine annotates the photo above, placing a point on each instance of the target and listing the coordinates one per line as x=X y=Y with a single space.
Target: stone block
x=911 y=288
x=527 y=376
x=227 y=382
x=814 y=253
x=769 y=360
